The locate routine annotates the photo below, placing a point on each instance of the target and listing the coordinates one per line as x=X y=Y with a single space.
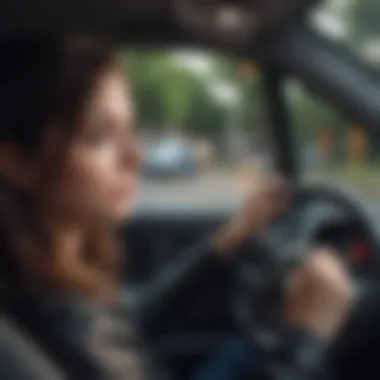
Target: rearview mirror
x=237 y=22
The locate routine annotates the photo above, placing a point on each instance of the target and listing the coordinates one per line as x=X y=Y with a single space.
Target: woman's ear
x=17 y=167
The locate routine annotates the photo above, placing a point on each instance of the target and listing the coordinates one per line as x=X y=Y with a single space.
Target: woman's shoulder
x=85 y=337
x=63 y=312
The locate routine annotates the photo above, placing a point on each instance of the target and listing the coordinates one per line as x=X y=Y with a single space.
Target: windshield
x=353 y=22
x=200 y=125
x=203 y=128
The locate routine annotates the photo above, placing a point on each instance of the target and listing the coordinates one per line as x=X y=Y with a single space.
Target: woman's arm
x=211 y=258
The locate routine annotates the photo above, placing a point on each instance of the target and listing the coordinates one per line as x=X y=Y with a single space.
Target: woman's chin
x=123 y=211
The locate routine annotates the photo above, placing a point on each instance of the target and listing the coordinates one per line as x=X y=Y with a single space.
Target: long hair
x=44 y=81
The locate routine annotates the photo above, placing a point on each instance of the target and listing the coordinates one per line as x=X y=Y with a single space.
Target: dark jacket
x=93 y=342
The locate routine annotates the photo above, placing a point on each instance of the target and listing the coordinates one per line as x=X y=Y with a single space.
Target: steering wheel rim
x=271 y=269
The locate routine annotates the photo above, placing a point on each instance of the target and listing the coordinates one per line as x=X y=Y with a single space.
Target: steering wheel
x=263 y=266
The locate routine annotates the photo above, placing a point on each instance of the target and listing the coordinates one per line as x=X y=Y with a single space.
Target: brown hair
x=45 y=80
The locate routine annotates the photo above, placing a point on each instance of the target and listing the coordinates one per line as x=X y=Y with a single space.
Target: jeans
x=235 y=361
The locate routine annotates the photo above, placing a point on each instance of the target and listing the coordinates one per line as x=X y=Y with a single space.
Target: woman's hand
x=266 y=200
x=319 y=294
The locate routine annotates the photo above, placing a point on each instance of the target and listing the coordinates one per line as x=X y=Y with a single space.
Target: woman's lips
x=127 y=192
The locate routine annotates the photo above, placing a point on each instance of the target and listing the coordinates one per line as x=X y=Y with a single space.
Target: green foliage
x=311 y=113
x=170 y=96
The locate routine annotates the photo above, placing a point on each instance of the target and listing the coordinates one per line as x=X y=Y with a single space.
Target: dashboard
x=158 y=239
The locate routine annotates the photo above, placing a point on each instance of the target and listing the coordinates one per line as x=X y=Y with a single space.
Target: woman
x=69 y=165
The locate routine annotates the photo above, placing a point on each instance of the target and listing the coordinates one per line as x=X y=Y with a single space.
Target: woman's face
x=99 y=176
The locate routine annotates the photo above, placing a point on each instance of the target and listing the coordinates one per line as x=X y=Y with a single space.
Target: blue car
x=170 y=159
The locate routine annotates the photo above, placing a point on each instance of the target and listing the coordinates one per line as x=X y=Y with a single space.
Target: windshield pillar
x=279 y=123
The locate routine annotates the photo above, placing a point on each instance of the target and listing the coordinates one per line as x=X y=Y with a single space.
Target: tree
x=170 y=96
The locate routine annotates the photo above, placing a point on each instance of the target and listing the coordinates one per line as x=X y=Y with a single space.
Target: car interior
x=284 y=45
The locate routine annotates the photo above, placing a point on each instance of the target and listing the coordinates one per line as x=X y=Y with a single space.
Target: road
x=207 y=190
x=219 y=191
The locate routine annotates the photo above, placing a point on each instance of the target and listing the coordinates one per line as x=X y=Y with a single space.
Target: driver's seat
x=21 y=358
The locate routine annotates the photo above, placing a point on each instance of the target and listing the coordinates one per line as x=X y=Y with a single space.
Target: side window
x=332 y=148
x=353 y=22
